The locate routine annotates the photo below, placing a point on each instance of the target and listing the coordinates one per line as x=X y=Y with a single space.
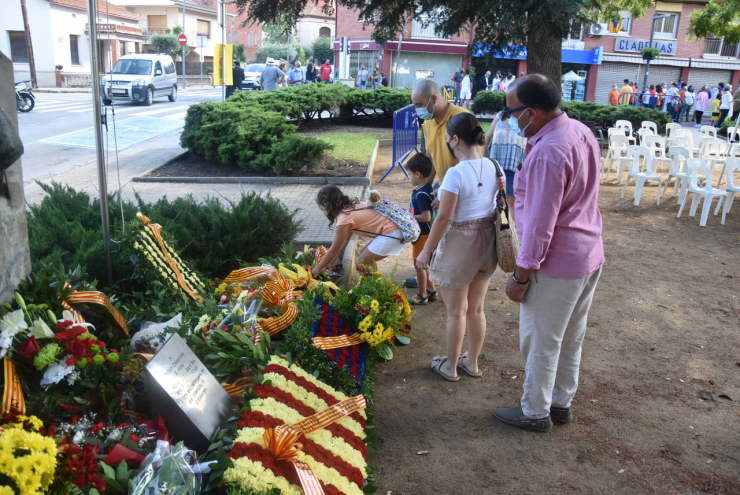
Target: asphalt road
x=58 y=134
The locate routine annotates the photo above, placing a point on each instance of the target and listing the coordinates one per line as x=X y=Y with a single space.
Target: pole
x=223 y=50
x=183 y=46
x=29 y=46
x=201 y=65
x=288 y=56
x=398 y=54
x=98 y=118
x=647 y=62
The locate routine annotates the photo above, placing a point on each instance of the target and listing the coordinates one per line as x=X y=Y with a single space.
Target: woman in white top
x=725 y=104
x=462 y=240
x=465 y=90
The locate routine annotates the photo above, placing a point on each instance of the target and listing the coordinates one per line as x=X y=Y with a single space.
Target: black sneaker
x=512 y=416
x=562 y=415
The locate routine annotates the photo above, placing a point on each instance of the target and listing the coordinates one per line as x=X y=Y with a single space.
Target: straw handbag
x=507 y=242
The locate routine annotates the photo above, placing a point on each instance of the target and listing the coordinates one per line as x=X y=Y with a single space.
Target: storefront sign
x=423 y=74
x=193 y=403
x=636 y=46
x=358 y=45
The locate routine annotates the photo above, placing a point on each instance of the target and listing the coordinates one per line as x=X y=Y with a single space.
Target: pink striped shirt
x=556 y=190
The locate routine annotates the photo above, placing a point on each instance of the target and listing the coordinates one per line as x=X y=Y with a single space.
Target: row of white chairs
x=686 y=172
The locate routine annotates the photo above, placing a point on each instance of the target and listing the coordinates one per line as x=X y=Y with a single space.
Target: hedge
x=491 y=102
x=250 y=128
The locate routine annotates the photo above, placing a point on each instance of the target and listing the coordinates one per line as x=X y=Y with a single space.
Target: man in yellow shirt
x=436 y=112
x=624 y=99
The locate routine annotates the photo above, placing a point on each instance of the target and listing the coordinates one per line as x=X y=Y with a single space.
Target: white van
x=140 y=77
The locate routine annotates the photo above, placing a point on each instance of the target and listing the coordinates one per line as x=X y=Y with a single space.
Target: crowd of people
x=464 y=84
x=683 y=102
x=275 y=76
x=549 y=165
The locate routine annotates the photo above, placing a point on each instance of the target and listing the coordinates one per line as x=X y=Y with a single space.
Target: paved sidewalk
x=148 y=155
x=89 y=90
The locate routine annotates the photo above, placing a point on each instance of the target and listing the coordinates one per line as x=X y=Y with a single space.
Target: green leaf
x=385 y=352
x=122 y=471
x=107 y=470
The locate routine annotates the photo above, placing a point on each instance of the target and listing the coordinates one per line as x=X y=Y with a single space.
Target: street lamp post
x=652 y=34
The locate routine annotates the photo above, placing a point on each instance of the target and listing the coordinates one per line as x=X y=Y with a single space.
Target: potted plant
x=649 y=53
x=58 y=75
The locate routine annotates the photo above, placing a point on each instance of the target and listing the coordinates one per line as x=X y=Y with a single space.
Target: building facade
x=314 y=22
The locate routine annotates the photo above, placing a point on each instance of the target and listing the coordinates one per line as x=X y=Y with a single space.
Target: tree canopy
x=717 y=20
x=498 y=24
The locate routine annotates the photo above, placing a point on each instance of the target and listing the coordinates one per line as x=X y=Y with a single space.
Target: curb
x=167 y=162
x=49 y=90
x=350 y=181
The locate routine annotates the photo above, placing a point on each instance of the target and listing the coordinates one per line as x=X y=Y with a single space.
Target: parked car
x=252 y=74
x=140 y=78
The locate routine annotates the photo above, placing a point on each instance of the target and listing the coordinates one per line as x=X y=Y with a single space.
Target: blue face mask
x=424 y=113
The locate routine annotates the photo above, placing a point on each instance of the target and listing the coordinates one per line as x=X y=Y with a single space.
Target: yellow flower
x=375 y=304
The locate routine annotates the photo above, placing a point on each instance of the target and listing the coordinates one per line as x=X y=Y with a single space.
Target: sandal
x=432 y=296
x=437 y=363
x=462 y=366
x=414 y=302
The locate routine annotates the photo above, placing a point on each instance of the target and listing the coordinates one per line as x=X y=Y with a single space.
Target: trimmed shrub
x=65 y=227
x=322 y=49
x=488 y=102
x=293 y=153
x=387 y=100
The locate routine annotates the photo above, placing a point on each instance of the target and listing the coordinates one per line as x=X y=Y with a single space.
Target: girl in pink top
x=353 y=216
x=701 y=105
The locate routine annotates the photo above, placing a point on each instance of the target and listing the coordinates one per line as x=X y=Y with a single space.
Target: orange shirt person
x=614 y=96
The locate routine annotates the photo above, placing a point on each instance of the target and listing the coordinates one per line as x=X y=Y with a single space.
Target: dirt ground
x=658 y=408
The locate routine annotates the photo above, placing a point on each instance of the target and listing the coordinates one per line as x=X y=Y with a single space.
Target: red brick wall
x=250 y=29
x=641 y=30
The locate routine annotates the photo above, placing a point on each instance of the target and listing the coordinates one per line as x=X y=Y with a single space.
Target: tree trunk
x=545 y=56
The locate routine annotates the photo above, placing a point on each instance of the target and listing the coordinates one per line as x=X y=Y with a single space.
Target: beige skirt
x=467 y=251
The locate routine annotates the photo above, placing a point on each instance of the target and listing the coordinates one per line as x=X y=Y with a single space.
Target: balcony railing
x=716 y=47
x=191 y=35
x=116 y=29
x=419 y=30
x=574 y=44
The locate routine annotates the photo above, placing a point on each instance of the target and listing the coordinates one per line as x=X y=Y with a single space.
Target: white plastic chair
x=670 y=131
x=618 y=148
x=656 y=146
x=638 y=155
x=696 y=165
x=686 y=134
x=626 y=125
x=732 y=188
x=677 y=170
x=732 y=141
x=647 y=124
x=709 y=131
x=711 y=152
x=644 y=132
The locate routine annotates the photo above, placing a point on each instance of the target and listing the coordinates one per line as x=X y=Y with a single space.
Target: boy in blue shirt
x=419 y=167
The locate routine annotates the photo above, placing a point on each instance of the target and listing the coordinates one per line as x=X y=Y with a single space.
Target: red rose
x=69 y=334
x=98 y=426
x=76 y=348
x=134 y=438
x=74 y=419
x=88 y=343
x=71 y=361
x=101 y=344
x=29 y=348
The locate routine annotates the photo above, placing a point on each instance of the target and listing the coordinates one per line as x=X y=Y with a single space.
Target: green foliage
x=653 y=53
x=322 y=49
x=211 y=236
x=726 y=126
x=226 y=355
x=716 y=20
x=167 y=43
x=488 y=102
x=277 y=52
x=277 y=33
x=386 y=100
x=117 y=480
x=293 y=153
x=302 y=56
x=239 y=52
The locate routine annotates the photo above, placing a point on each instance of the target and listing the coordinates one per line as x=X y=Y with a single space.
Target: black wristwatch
x=516 y=280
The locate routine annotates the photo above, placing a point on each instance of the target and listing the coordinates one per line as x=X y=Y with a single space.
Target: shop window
x=74 y=50
x=666 y=27
x=626 y=28
x=18 y=52
x=576 y=32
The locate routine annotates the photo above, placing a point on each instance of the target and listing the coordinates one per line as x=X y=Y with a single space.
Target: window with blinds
x=74 y=49
x=204 y=28
x=18 y=52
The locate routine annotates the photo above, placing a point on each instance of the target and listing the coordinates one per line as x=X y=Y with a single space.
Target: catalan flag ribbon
x=13 y=394
x=90 y=297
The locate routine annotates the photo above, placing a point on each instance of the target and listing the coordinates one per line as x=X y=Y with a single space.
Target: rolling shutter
x=611 y=74
x=659 y=75
x=712 y=77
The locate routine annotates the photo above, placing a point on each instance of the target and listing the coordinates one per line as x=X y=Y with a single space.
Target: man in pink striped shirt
x=558 y=267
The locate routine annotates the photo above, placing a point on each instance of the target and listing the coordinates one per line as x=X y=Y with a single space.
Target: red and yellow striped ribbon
x=232 y=390
x=13 y=394
x=275 y=324
x=91 y=297
x=249 y=273
x=338 y=341
x=155 y=229
x=282 y=441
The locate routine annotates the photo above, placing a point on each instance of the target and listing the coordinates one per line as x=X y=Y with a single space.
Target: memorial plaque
x=191 y=400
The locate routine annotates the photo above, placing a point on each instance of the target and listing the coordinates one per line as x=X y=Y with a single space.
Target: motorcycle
x=24 y=96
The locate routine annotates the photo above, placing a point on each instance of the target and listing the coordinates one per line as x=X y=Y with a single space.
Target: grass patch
x=355 y=146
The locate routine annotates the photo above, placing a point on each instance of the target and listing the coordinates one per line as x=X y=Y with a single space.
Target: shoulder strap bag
x=507 y=242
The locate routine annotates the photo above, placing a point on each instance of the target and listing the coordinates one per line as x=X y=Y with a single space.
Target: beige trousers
x=552 y=325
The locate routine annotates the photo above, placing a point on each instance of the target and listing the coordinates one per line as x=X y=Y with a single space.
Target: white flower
x=73 y=376
x=5 y=343
x=115 y=435
x=12 y=323
x=68 y=316
x=79 y=436
x=41 y=330
x=56 y=372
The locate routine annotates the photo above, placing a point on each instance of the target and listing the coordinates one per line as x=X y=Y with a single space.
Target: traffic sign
x=182 y=39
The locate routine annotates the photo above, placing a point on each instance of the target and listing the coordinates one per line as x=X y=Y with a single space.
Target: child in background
x=715 y=109
x=419 y=167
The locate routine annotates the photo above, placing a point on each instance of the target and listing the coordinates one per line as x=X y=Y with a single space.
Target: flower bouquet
x=27 y=455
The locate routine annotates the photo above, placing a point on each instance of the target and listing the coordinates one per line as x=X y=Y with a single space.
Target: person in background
x=681 y=95
x=295 y=75
x=502 y=84
x=653 y=97
x=485 y=82
x=272 y=77
x=659 y=94
x=634 y=91
x=374 y=79
x=561 y=255
x=521 y=74
x=614 y=96
x=237 y=74
x=673 y=101
x=465 y=90
x=325 y=71
x=646 y=97
x=463 y=243
x=701 y=105
x=725 y=104
x=624 y=98
x=715 y=109
x=496 y=81
x=505 y=144
x=688 y=103
x=311 y=71
x=383 y=80
x=662 y=102
x=420 y=168
x=736 y=105
x=510 y=79
x=362 y=78
x=458 y=77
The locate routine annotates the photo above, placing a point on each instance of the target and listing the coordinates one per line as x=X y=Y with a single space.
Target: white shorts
x=387 y=246
x=464 y=95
